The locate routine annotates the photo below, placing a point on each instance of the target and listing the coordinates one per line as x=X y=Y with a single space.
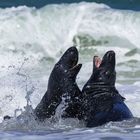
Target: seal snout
x=109 y=55
x=73 y=48
x=72 y=57
x=110 y=58
x=69 y=58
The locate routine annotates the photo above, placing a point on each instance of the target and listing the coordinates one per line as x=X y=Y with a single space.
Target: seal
x=102 y=101
x=62 y=82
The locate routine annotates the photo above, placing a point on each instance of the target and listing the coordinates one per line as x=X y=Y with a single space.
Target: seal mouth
x=108 y=58
x=74 y=63
x=97 y=61
x=72 y=58
x=77 y=66
x=69 y=58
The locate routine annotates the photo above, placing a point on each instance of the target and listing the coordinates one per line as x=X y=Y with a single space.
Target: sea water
x=32 y=41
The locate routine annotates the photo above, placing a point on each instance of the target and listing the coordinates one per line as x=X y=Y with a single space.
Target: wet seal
x=102 y=102
x=62 y=81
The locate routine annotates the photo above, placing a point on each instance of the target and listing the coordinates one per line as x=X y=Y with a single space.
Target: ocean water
x=118 y=4
x=32 y=41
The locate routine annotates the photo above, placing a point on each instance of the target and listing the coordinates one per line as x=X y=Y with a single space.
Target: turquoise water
x=118 y=4
x=31 y=42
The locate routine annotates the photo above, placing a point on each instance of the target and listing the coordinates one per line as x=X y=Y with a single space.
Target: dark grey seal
x=102 y=102
x=62 y=83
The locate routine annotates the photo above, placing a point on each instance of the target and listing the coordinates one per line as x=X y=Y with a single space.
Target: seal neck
x=96 y=90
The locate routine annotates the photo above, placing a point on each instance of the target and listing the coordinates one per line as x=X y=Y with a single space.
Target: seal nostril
x=111 y=53
x=73 y=49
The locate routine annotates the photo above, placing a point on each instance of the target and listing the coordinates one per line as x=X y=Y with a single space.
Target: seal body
x=62 y=81
x=102 y=101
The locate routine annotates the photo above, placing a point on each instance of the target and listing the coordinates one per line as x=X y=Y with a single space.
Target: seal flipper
x=46 y=108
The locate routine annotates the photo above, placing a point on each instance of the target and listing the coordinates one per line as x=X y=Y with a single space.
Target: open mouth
x=73 y=58
x=72 y=61
x=109 y=57
x=97 y=61
x=75 y=65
